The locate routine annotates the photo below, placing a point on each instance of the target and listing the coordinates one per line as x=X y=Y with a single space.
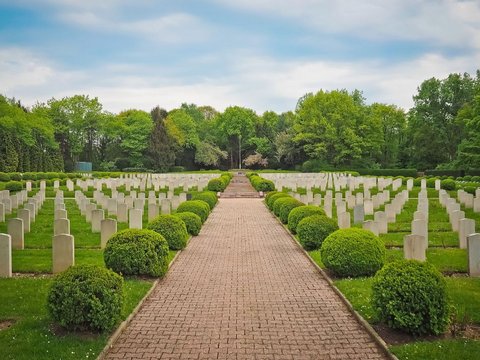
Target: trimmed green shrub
x=172 y=228
x=137 y=252
x=411 y=296
x=431 y=183
x=216 y=185
x=269 y=195
x=271 y=200
x=86 y=297
x=261 y=184
x=14 y=186
x=192 y=222
x=417 y=182
x=448 y=184
x=198 y=207
x=16 y=176
x=209 y=197
x=470 y=189
x=314 y=229
x=4 y=177
x=278 y=203
x=453 y=173
x=388 y=172
x=301 y=212
x=353 y=252
x=287 y=206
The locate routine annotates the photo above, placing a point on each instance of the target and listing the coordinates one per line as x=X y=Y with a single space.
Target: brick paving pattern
x=243 y=290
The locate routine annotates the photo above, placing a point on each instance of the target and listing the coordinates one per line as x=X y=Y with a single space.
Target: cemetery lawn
x=33 y=336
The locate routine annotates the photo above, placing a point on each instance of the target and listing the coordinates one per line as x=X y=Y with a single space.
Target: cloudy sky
x=261 y=54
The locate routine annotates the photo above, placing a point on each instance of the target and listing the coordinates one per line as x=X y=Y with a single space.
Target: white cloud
x=444 y=22
x=252 y=80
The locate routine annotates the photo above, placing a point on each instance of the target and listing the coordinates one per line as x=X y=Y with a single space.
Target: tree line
x=327 y=130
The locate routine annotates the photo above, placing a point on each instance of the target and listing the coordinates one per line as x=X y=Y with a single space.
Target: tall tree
x=161 y=148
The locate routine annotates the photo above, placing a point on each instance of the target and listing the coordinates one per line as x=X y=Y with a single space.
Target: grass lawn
x=32 y=336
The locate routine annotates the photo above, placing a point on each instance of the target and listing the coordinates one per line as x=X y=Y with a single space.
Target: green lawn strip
x=447 y=349
x=435 y=239
x=445 y=260
x=32 y=337
x=40 y=260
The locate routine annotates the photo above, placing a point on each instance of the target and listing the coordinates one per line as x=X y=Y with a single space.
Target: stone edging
x=380 y=342
x=127 y=321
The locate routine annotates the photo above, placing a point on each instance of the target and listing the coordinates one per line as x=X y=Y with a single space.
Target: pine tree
x=161 y=149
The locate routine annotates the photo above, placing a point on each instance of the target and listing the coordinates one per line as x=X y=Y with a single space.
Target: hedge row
x=260 y=183
x=16 y=176
x=219 y=184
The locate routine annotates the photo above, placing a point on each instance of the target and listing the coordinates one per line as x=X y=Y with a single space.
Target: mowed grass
x=33 y=336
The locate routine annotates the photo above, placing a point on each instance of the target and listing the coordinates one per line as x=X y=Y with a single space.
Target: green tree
x=468 y=156
x=209 y=155
x=161 y=149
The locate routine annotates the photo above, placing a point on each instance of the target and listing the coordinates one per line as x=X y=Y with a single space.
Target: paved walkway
x=243 y=290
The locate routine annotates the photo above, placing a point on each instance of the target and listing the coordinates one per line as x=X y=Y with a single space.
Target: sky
x=260 y=54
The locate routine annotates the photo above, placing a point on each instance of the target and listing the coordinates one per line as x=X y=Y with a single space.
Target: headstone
x=473 y=245
x=15 y=230
x=466 y=227
x=368 y=207
x=437 y=184
x=61 y=214
x=61 y=226
x=343 y=220
x=165 y=206
x=112 y=206
x=391 y=213
x=5 y=255
x=139 y=204
x=122 y=213
x=414 y=247
x=97 y=216
x=455 y=218
x=24 y=214
x=358 y=214
x=88 y=211
x=31 y=207
x=423 y=184
x=152 y=211
x=381 y=219
x=476 y=204
x=108 y=228
x=371 y=225
x=420 y=227
x=2 y=212
x=135 y=216
x=63 y=252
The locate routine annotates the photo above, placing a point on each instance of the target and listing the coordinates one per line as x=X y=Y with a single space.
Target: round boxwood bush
x=431 y=183
x=172 y=228
x=353 y=252
x=448 y=184
x=86 y=297
x=476 y=178
x=288 y=205
x=411 y=296
x=209 y=197
x=192 y=222
x=417 y=181
x=216 y=184
x=279 y=203
x=16 y=176
x=198 y=207
x=4 y=177
x=261 y=184
x=137 y=252
x=301 y=212
x=14 y=186
x=271 y=200
x=270 y=194
x=314 y=229
x=470 y=189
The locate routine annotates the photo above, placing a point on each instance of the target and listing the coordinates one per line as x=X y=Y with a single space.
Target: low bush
x=172 y=228
x=448 y=184
x=287 y=206
x=137 y=252
x=86 y=297
x=216 y=185
x=16 y=176
x=14 y=186
x=411 y=296
x=271 y=200
x=192 y=222
x=198 y=207
x=353 y=252
x=177 y=169
x=388 y=172
x=470 y=189
x=279 y=202
x=476 y=178
x=301 y=212
x=431 y=183
x=209 y=197
x=453 y=173
x=313 y=230
x=417 y=181
x=4 y=177
x=261 y=184
x=269 y=195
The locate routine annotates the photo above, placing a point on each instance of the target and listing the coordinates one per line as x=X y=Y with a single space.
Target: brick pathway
x=243 y=290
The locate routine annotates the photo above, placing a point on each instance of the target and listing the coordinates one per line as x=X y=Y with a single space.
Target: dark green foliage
x=411 y=296
x=417 y=181
x=470 y=189
x=198 y=207
x=209 y=197
x=192 y=222
x=172 y=229
x=314 y=229
x=473 y=172
x=261 y=184
x=301 y=212
x=278 y=202
x=4 y=176
x=15 y=176
x=161 y=147
x=388 y=172
x=86 y=297
x=431 y=183
x=216 y=185
x=353 y=252
x=448 y=184
x=271 y=200
x=269 y=195
x=14 y=186
x=137 y=252
x=454 y=173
